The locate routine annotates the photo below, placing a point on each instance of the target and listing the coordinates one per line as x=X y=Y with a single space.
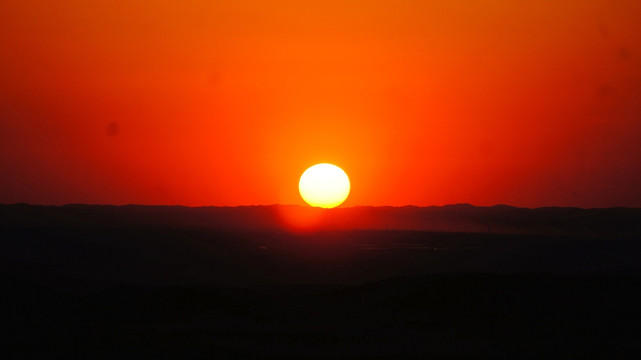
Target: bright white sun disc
x=324 y=185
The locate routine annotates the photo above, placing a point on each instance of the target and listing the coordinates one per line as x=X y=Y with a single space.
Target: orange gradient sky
x=527 y=103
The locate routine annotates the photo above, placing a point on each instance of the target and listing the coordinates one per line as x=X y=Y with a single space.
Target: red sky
x=527 y=103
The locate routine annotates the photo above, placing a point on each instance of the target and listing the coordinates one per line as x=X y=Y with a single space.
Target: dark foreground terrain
x=163 y=282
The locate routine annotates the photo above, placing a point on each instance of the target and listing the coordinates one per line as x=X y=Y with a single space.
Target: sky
x=201 y=102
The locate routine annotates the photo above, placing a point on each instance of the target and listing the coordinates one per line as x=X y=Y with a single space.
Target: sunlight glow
x=324 y=185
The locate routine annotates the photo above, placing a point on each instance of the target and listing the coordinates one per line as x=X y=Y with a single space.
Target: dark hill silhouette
x=612 y=222
x=451 y=282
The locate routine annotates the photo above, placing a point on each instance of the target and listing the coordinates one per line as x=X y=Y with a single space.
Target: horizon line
x=318 y=208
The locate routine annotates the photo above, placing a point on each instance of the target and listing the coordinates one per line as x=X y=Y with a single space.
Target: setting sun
x=324 y=185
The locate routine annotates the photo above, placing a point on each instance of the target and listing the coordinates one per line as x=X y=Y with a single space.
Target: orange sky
x=527 y=103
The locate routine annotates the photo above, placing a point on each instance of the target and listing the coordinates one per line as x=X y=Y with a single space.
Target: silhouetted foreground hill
x=83 y=281
x=436 y=317
x=612 y=222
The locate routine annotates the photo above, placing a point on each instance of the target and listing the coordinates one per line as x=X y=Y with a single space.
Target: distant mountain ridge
x=610 y=222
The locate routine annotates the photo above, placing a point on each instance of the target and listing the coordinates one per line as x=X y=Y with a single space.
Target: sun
x=324 y=185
